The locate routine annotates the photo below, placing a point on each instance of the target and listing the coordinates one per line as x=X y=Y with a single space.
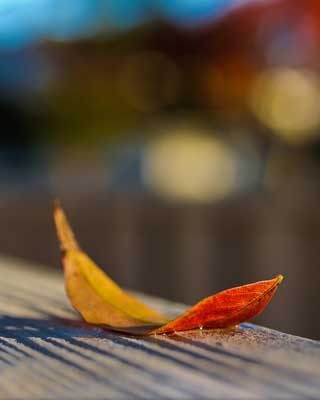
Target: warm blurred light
x=148 y=81
x=189 y=165
x=287 y=101
x=225 y=83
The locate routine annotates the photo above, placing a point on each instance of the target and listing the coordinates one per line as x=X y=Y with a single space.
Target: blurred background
x=182 y=136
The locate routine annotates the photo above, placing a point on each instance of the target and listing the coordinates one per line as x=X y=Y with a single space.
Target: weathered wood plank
x=47 y=352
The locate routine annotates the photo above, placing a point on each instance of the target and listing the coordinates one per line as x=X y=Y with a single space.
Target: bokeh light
x=189 y=165
x=287 y=101
x=24 y=22
x=192 y=12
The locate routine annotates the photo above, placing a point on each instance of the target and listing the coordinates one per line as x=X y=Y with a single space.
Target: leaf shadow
x=51 y=326
x=33 y=336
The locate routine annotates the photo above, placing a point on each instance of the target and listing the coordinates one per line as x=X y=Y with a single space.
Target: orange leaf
x=101 y=301
x=225 y=309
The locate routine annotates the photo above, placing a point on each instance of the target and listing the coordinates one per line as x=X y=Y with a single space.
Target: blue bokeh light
x=121 y=15
x=192 y=12
x=25 y=21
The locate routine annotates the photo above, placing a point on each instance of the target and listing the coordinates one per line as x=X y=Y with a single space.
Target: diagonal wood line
x=75 y=365
x=27 y=303
x=121 y=359
x=40 y=374
x=44 y=351
x=54 y=342
x=34 y=293
x=240 y=371
x=46 y=370
x=4 y=349
x=185 y=365
x=177 y=361
x=289 y=372
x=140 y=346
x=31 y=306
x=94 y=349
x=43 y=335
x=5 y=361
x=196 y=368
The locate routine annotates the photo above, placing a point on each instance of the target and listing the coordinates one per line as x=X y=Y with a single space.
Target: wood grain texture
x=46 y=352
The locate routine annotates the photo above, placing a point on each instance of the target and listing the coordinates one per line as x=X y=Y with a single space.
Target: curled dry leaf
x=101 y=301
x=92 y=293
x=227 y=308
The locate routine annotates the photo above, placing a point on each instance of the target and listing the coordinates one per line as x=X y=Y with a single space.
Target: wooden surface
x=47 y=353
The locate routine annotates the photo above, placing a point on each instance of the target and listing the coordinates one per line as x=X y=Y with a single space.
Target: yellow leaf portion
x=65 y=234
x=83 y=298
x=111 y=293
x=103 y=288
